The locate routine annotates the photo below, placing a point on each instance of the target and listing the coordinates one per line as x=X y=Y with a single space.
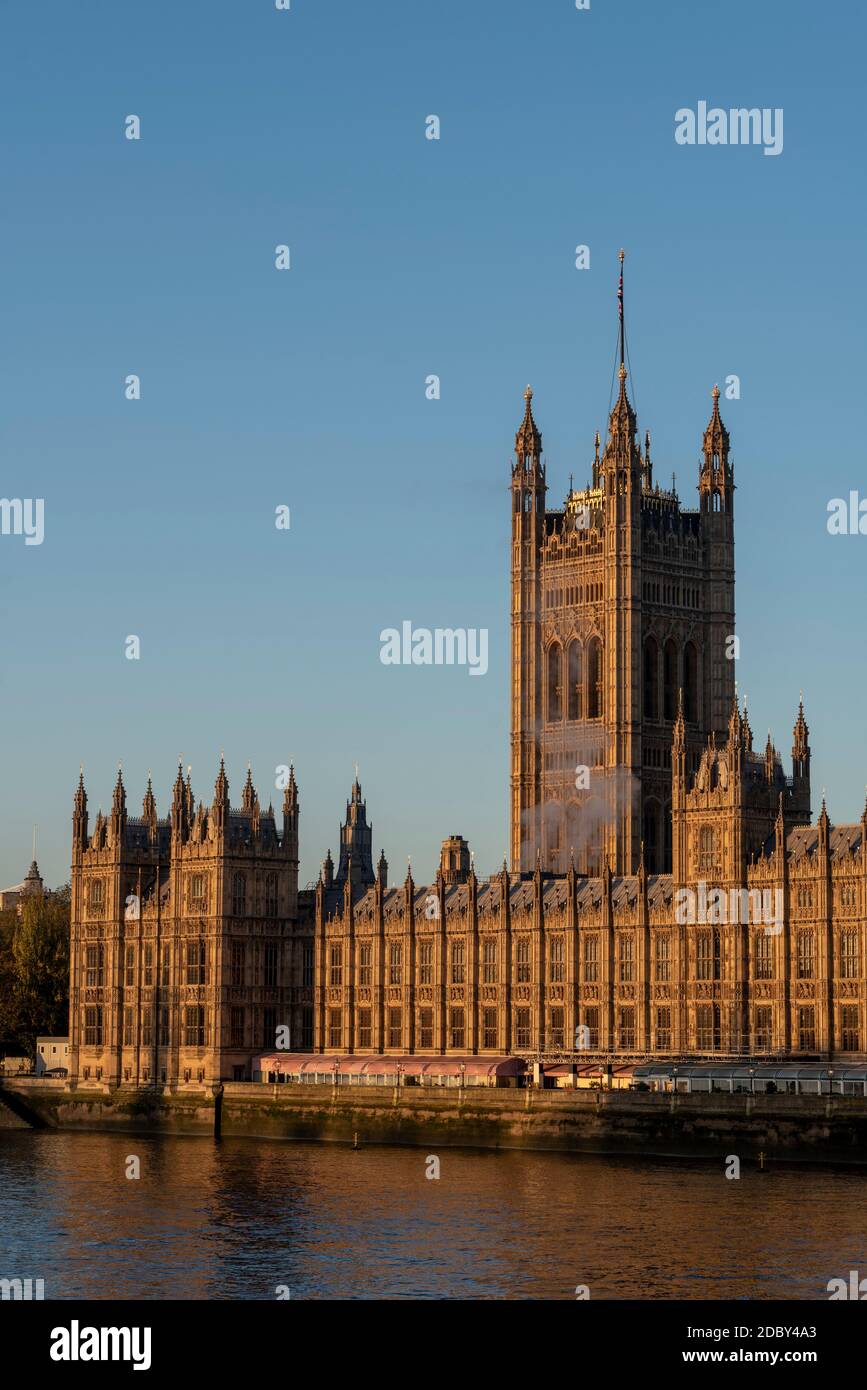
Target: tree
x=10 y=1007
x=40 y=959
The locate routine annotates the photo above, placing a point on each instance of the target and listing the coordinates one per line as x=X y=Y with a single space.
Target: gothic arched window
x=271 y=895
x=706 y=850
x=575 y=664
x=239 y=895
x=669 y=680
x=595 y=693
x=690 y=682
x=555 y=682
x=651 y=679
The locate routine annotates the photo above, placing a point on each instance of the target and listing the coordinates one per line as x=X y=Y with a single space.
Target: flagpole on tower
x=620 y=308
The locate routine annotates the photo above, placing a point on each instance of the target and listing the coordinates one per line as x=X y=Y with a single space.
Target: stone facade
x=620 y=601
x=187 y=944
x=753 y=946
x=668 y=894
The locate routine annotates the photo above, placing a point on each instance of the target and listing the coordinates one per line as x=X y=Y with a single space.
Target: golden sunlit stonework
x=668 y=895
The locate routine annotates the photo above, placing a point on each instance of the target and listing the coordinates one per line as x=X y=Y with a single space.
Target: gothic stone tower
x=620 y=600
x=737 y=811
x=186 y=946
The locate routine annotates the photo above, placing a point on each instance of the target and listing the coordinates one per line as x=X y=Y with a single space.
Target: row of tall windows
x=579 y=678
x=665 y=674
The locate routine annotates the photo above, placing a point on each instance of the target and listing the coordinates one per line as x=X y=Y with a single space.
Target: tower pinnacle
x=528 y=440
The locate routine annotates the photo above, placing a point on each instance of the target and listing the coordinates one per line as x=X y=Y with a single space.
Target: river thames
x=242 y=1219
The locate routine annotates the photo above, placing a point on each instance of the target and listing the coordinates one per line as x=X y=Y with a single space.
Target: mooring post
x=218 y=1109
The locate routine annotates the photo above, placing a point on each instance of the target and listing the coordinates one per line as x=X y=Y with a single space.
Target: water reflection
x=237 y=1219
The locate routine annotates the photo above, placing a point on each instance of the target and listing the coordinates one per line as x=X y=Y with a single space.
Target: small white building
x=51 y=1053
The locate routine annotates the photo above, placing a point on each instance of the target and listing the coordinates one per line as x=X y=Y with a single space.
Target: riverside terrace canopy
x=348 y=1070
x=569 y=1075
x=795 y=1078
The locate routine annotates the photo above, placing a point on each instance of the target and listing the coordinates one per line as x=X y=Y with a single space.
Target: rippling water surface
x=238 y=1218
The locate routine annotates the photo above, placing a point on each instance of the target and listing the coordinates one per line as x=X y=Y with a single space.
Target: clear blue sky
x=306 y=387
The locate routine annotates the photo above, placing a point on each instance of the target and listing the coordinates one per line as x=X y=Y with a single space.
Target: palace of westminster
x=633 y=780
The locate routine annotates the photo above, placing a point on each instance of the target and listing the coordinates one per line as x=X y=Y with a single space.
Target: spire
x=248 y=796
x=715 y=484
x=770 y=757
x=356 y=841
x=715 y=445
x=748 y=732
x=180 y=818
x=221 y=796
x=79 y=815
x=528 y=440
x=33 y=881
x=290 y=795
x=622 y=421
x=800 y=733
x=736 y=728
x=327 y=874
x=679 y=724
x=149 y=806
x=118 y=801
x=382 y=870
